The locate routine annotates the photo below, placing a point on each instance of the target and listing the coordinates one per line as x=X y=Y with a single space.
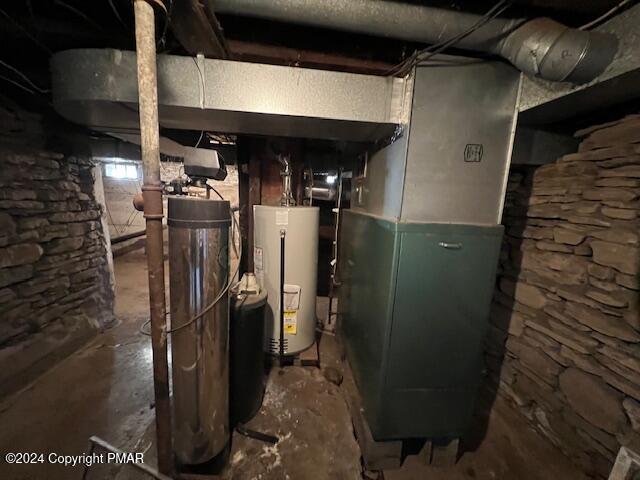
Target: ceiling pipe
x=540 y=47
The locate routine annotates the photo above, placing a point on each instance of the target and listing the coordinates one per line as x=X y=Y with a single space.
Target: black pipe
x=282 y=235
x=263 y=437
x=128 y=236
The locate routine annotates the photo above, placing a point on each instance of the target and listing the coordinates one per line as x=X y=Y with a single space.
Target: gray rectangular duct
x=98 y=88
x=451 y=164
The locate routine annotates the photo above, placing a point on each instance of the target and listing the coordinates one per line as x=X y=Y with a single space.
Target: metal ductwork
x=540 y=47
x=549 y=50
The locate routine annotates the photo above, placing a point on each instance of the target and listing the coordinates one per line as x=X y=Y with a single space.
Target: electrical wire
x=604 y=16
x=204 y=311
x=201 y=94
x=425 y=54
x=133 y=214
x=219 y=153
x=24 y=77
x=115 y=227
x=435 y=49
x=195 y=60
x=199 y=139
x=117 y=14
x=26 y=32
x=32 y=15
x=236 y=225
x=17 y=84
x=167 y=22
x=238 y=251
x=79 y=13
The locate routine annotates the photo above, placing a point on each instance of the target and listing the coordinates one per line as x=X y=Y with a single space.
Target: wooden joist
x=279 y=55
x=197 y=29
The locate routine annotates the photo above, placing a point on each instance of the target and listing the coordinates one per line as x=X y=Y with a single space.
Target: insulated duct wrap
x=540 y=47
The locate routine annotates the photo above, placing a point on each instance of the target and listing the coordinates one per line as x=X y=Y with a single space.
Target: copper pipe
x=153 y=213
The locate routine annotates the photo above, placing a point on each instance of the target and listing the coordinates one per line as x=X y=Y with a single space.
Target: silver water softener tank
x=199 y=270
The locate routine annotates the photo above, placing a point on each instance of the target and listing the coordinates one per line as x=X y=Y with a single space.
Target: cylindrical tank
x=247 y=356
x=300 y=227
x=199 y=270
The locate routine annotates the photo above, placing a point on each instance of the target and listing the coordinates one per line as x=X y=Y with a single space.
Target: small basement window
x=121 y=170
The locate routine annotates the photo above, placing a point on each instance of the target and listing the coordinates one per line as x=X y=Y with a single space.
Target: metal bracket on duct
x=540 y=47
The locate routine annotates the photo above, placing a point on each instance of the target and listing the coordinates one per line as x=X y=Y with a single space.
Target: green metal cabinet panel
x=415 y=304
x=367 y=293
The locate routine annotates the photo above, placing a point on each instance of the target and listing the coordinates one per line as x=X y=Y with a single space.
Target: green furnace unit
x=419 y=251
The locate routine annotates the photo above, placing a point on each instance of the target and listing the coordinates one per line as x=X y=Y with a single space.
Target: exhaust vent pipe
x=541 y=47
x=549 y=50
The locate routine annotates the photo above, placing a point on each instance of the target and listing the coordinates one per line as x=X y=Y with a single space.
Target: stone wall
x=565 y=336
x=55 y=280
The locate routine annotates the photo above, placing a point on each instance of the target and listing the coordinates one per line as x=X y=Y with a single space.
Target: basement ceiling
x=32 y=30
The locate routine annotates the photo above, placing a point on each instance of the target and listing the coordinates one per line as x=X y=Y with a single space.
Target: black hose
x=282 y=235
x=128 y=236
x=263 y=437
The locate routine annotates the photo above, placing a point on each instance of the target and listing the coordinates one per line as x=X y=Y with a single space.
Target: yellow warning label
x=291 y=322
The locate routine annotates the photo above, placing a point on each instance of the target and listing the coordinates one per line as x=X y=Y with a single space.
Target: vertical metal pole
x=282 y=235
x=153 y=213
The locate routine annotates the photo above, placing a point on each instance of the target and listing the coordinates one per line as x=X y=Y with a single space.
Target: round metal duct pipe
x=547 y=49
x=540 y=47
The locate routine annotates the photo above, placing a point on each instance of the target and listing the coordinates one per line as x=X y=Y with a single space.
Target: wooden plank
x=441 y=454
x=245 y=209
x=196 y=28
x=255 y=198
x=627 y=464
x=309 y=357
x=375 y=455
x=262 y=53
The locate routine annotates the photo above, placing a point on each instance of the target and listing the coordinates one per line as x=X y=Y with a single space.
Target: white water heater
x=298 y=226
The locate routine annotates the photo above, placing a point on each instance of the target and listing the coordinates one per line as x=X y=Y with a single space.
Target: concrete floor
x=106 y=390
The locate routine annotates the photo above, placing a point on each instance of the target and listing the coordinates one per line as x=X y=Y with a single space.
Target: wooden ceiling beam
x=262 y=53
x=197 y=29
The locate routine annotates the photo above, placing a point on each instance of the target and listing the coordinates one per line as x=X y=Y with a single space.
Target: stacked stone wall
x=565 y=336
x=56 y=286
